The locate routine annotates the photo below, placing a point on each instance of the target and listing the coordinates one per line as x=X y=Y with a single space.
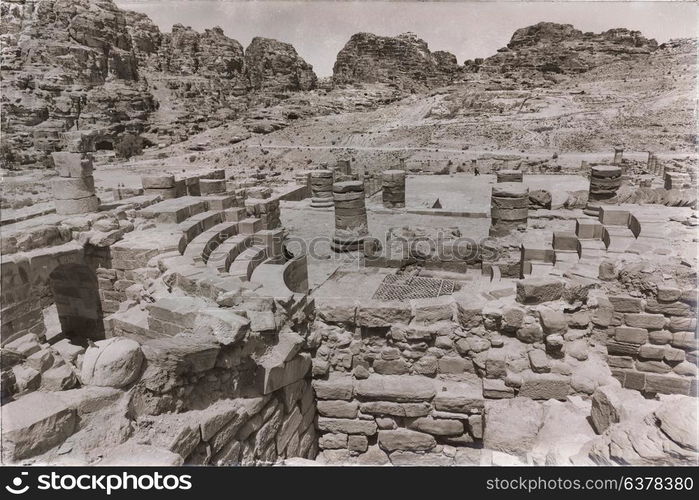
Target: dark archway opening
x=104 y=146
x=76 y=295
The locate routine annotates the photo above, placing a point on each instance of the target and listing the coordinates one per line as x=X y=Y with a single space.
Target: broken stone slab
x=611 y=404
x=538 y=290
x=459 y=397
x=497 y=389
x=678 y=419
x=114 y=362
x=224 y=325
x=274 y=373
x=512 y=425
x=179 y=354
x=396 y=388
x=59 y=378
x=34 y=424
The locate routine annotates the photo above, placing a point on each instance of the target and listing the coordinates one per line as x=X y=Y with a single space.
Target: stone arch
x=76 y=295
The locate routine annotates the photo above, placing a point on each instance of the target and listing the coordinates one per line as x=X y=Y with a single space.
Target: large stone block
x=73 y=188
x=336 y=387
x=347 y=426
x=405 y=439
x=649 y=321
x=79 y=206
x=34 y=424
x=114 y=362
x=396 y=388
x=512 y=425
x=72 y=165
x=391 y=409
x=437 y=426
x=376 y=313
x=538 y=290
x=545 y=386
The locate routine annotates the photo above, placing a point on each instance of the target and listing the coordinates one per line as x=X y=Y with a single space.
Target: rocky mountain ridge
x=76 y=65
x=84 y=68
x=404 y=60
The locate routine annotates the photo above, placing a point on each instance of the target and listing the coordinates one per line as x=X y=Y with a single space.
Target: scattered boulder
x=114 y=362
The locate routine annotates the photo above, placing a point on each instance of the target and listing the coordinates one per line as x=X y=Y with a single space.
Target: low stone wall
x=652 y=342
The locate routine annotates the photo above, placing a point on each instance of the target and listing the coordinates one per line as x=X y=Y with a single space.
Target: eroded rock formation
x=404 y=60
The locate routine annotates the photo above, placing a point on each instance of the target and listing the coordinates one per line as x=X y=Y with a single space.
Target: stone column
x=74 y=190
x=509 y=202
x=618 y=154
x=509 y=175
x=393 y=186
x=351 y=227
x=321 y=188
x=604 y=183
x=650 y=166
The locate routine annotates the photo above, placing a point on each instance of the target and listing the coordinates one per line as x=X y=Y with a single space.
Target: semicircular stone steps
x=244 y=265
x=206 y=242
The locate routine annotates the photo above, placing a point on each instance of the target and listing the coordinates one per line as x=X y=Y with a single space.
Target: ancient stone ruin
x=409 y=263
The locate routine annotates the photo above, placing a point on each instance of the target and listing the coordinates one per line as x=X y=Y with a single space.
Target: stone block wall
x=458 y=352
x=652 y=341
x=403 y=420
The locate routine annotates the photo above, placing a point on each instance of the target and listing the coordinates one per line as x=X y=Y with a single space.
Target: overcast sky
x=318 y=29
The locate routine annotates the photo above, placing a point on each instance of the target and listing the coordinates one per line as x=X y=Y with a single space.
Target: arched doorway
x=76 y=294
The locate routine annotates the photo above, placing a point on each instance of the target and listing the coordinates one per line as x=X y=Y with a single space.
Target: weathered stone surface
x=406 y=440
x=135 y=454
x=34 y=424
x=347 y=426
x=114 y=362
x=545 y=386
x=383 y=408
x=512 y=425
x=337 y=387
x=538 y=290
x=437 y=426
x=396 y=388
x=339 y=409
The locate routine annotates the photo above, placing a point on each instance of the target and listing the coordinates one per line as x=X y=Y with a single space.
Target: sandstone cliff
x=72 y=67
x=405 y=61
x=275 y=66
x=562 y=49
x=67 y=65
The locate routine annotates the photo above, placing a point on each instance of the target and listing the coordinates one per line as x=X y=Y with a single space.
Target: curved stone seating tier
x=223 y=255
x=244 y=265
x=201 y=247
x=195 y=278
x=197 y=224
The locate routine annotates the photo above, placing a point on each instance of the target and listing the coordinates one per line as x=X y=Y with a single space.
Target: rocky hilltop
x=71 y=66
x=562 y=49
x=67 y=65
x=405 y=61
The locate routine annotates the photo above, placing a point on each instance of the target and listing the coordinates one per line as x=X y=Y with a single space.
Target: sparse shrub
x=129 y=145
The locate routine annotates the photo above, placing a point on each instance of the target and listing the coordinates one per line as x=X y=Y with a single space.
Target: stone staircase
x=614 y=231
